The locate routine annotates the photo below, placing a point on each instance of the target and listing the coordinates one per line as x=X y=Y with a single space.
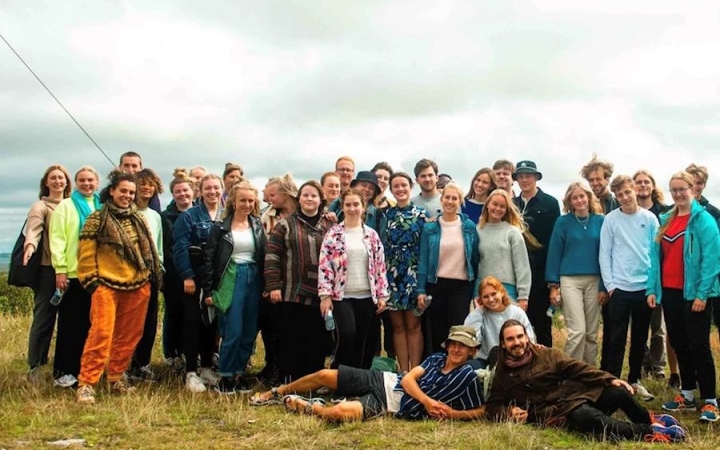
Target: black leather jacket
x=219 y=249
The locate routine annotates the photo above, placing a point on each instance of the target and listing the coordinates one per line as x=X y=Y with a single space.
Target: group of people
x=320 y=268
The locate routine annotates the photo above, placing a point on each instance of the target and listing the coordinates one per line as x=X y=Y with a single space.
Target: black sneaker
x=242 y=386
x=226 y=386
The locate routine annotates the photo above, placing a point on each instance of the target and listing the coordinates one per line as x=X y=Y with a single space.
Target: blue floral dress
x=402 y=254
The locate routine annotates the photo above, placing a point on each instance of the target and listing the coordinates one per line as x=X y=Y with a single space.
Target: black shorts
x=367 y=385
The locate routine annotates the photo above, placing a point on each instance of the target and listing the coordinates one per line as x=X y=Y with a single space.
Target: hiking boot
x=122 y=387
x=194 y=383
x=65 y=381
x=673 y=433
x=209 y=376
x=86 y=395
x=709 y=413
x=679 y=403
x=642 y=393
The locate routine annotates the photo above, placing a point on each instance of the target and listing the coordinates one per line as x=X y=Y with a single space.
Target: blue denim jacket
x=430 y=252
x=191 y=228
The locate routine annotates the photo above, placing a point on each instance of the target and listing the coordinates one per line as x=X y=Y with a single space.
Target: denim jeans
x=238 y=324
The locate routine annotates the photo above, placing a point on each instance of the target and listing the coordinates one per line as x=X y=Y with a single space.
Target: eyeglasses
x=342 y=169
x=676 y=191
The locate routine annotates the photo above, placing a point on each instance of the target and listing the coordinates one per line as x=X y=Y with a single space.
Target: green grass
x=163 y=415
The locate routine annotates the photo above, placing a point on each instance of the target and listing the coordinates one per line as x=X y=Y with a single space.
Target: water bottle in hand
x=329 y=321
x=57 y=297
x=419 y=311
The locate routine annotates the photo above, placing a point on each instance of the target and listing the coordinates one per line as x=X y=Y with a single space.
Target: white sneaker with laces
x=642 y=393
x=194 y=383
x=209 y=376
x=65 y=381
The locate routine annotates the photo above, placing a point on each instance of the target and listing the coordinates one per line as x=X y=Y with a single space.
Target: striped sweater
x=291 y=259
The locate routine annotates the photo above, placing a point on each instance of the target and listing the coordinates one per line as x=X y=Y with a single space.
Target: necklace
x=583 y=222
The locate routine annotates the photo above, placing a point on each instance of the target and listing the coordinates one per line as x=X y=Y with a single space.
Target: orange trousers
x=117 y=319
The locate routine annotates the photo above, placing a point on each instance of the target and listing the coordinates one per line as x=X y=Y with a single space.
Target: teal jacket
x=701 y=258
x=430 y=251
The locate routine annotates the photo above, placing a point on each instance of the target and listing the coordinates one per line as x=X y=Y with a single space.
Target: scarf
x=80 y=202
x=514 y=363
x=142 y=255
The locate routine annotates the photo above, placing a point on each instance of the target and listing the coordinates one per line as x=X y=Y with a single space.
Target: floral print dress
x=402 y=254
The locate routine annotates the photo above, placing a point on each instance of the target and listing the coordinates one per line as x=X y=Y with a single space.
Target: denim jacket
x=430 y=251
x=192 y=228
x=701 y=258
x=332 y=270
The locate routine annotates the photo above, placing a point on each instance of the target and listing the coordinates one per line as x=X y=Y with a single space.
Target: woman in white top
x=503 y=253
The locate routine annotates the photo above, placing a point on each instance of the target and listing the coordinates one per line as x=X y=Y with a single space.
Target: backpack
x=24 y=276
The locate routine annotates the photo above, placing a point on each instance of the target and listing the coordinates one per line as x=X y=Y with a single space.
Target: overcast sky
x=291 y=85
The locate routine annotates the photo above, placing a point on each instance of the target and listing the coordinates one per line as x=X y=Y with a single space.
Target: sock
x=688 y=395
x=711 y=401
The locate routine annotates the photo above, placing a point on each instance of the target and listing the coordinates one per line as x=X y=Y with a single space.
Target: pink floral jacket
x=332 y=270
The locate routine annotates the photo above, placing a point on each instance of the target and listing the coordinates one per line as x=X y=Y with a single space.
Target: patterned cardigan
x=332 y=274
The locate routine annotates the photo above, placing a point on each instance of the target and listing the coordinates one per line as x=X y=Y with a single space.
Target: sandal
x=307 y=409
x=257 y=400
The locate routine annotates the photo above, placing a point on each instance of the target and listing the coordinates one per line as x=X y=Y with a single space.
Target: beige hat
x=462 y=334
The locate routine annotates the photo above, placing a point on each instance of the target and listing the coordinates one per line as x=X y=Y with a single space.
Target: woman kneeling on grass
x=117 y=261
x=492 y=309
x=442 y=387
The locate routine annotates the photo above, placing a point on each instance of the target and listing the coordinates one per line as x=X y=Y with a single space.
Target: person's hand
x=331 y=216
x=698 y=305
x=189 y=286
x=61 y=281
x=610 y=293
x=518 y=414
x=554 y=296
x=208 y=301
x=523 y=304
x=603 y=298
x=434 y=408
x=651 y=299
x=617 y=382
x=443 y=411
x=381 y=305
x=29 y=250
x=325 y=306
x=421 y=301
x=478 y=303
x=275 y=296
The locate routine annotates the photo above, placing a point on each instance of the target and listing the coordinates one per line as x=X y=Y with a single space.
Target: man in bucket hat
x=442 y=387
x=539 y=210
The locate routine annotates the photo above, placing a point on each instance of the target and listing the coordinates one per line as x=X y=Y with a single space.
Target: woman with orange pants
x=117 y=261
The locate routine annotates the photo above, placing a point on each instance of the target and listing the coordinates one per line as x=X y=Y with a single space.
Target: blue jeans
x=238 y=324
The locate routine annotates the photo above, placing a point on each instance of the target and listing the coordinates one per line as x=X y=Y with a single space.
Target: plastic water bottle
x=329 y=321
x=419 y=311
x=551 y=310
x=57 y=297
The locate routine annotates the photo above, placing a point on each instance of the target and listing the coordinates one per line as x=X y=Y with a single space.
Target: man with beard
x=598 y=173
x=426 y=176
x=651 y=198
x=544 y=386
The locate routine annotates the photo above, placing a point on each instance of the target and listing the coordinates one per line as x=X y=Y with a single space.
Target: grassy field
x=163 y=415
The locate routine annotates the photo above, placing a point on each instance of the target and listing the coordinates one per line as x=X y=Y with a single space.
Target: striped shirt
x=460 y=389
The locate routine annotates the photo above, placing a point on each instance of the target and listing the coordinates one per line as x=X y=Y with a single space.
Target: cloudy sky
x=291 y=85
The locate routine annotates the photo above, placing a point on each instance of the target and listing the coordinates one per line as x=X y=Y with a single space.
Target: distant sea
x=4 y=261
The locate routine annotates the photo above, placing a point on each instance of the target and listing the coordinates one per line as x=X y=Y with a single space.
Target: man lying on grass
x=442 y=387
x=546 y=387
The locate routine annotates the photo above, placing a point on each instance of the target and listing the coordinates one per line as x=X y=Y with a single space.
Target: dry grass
x=164 y=416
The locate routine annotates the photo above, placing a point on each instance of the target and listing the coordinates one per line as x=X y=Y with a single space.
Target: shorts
x=367 y=385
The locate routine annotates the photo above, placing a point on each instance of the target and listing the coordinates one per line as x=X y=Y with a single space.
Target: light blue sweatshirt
x=625 y=245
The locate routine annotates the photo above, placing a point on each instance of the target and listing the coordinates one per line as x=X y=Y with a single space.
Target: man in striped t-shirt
x=442 y=387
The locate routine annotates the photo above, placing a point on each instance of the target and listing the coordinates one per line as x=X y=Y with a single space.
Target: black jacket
x=709 y=208
x=219 y=249
x=169 y=216
x=540 y=215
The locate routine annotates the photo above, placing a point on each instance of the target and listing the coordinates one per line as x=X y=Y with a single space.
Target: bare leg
x=309 y=383
x=400 y=341
x=342 y=412
x=414 y=338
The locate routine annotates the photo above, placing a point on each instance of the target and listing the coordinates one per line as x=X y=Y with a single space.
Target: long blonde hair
x=230 y=203
x=593 y=203
x=512 y=214
x=683 y=176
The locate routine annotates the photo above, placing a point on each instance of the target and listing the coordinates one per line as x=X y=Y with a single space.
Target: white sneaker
x=194 y=383
x=209 y=376
x=642 y=393
x=65 y=381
